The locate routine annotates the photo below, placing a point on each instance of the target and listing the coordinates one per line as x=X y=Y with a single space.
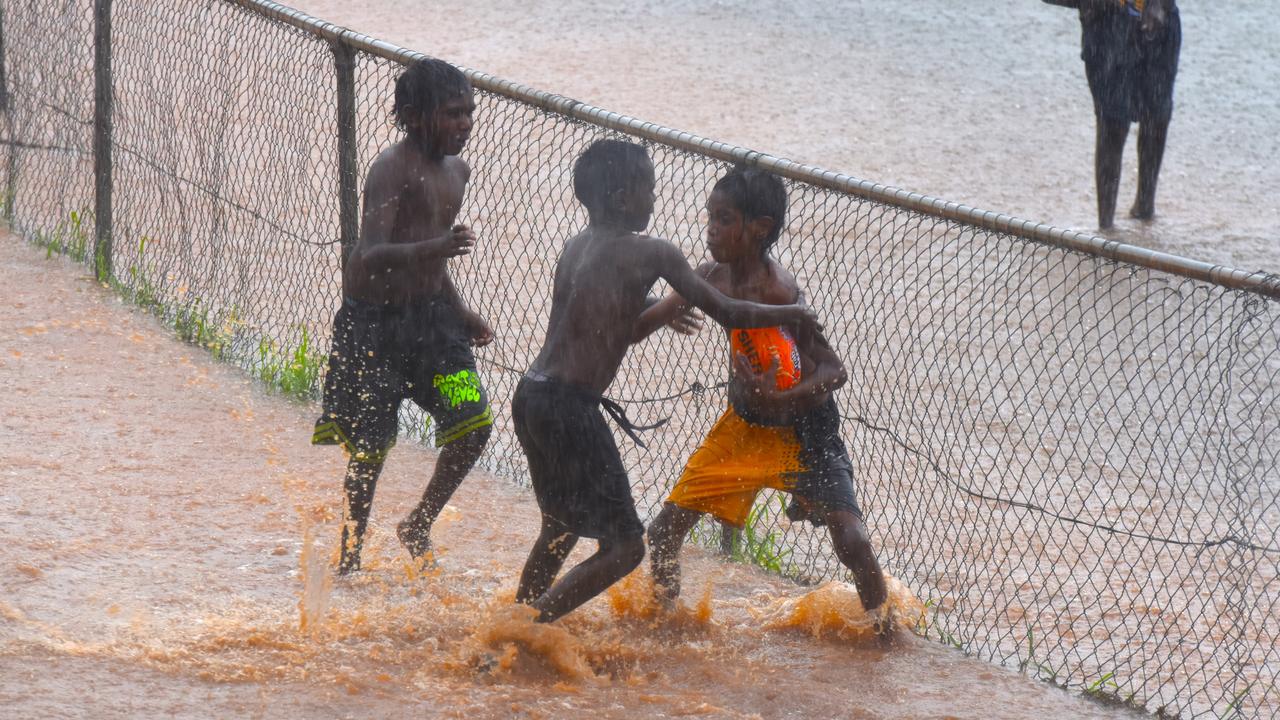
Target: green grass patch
x=294 y=371
x=69 y=237
x=754 y=545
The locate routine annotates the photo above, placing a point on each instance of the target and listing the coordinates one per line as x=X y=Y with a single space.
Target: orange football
x=761 y=345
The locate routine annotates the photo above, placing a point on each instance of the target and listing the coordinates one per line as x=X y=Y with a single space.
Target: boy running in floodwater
x=601 y=286
x=784 y=439
x=403 y=331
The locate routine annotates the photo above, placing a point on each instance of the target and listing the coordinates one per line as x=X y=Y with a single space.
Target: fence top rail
x=1260 y=282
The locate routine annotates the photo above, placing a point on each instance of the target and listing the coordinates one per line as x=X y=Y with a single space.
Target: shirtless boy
x=769 y=437
x=403 y=331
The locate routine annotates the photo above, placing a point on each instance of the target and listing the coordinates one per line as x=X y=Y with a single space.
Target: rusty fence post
x=344 y=60
x=102 y=127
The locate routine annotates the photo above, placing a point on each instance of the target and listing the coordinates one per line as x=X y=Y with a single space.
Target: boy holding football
x=782 y=427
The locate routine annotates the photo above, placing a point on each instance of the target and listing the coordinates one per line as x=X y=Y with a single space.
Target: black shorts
x=1130 y=74
x=827 y=479
x=384 y=355
x=574 y=462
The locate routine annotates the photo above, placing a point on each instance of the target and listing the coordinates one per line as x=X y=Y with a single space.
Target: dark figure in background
x=601 y=286
x=1130 y=51
x=403 y=331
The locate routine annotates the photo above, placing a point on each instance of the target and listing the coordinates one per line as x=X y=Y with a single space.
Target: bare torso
x=602 y=281
x=409 y=197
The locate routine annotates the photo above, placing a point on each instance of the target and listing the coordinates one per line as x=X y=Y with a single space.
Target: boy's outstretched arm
x=658 y=314
x=727 y=311
x=671 y=310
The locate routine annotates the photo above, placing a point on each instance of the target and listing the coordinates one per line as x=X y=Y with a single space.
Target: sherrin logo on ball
x=760 y=345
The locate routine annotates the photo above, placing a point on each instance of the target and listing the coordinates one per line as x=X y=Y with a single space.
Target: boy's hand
x=759 y=387
x=689 y=322
x=458 y=241
x=478 y=329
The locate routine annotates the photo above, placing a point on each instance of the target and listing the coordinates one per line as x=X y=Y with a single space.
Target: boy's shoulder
x=781 y=287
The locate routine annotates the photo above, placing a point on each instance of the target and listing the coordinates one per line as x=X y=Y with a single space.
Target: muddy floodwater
x=983 y=104
x=168 y=531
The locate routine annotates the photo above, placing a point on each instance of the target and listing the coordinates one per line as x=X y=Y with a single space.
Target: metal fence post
x=11 y=156
x=102 y=112
x=344 y=61
x=4 y=77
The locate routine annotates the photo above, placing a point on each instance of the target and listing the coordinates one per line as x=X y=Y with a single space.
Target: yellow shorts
x=732 y=466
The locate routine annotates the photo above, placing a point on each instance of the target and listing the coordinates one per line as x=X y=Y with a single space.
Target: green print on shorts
x=462 y=386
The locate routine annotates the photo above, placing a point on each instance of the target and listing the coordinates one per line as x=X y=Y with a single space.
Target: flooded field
x=167 y=533
x=985 y=106
x=170 y=527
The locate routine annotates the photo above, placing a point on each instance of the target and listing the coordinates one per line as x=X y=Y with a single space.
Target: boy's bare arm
x=827 y=373
x=727 y=311
x=478 y=329
x=669 y=310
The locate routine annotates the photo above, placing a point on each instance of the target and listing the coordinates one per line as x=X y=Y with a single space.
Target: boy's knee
x=629 y=552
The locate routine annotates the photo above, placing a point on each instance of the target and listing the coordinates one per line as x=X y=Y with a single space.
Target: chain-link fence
x=1068 y=447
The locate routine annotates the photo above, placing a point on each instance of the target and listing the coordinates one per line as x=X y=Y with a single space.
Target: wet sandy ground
x=159 y=511
x=983 y=104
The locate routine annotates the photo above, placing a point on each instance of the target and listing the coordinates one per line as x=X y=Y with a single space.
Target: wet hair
x=605 y=168
x=425 y=85
x=756 y=193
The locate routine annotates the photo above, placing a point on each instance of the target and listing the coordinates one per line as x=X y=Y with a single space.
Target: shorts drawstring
x=611 y=407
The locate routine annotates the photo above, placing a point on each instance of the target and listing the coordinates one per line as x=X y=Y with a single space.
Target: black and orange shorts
x=738 y=459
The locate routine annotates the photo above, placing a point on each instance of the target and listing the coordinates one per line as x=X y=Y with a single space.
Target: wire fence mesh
x=1073 y=460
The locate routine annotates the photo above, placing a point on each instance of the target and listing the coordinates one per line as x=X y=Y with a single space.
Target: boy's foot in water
x=416 y=539
x=486 y=662
x=883 y=623
x=1142 y=212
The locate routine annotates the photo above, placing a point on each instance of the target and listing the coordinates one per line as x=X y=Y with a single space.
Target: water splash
x=507 y=628
x=834 y=609
x=634 y=597
x=317 y=583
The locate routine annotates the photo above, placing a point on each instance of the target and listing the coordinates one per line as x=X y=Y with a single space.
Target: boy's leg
x=454 y=462
x=1109 y=151
x=359 y=484
x=615 y=558
x=1151 y=140
x=545 y=560
x=666 y=536
x=853 y=547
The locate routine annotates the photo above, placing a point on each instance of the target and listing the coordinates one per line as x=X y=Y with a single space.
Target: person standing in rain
x=1130 y=52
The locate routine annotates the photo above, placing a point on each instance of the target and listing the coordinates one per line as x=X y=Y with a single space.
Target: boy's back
x=602 y=282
